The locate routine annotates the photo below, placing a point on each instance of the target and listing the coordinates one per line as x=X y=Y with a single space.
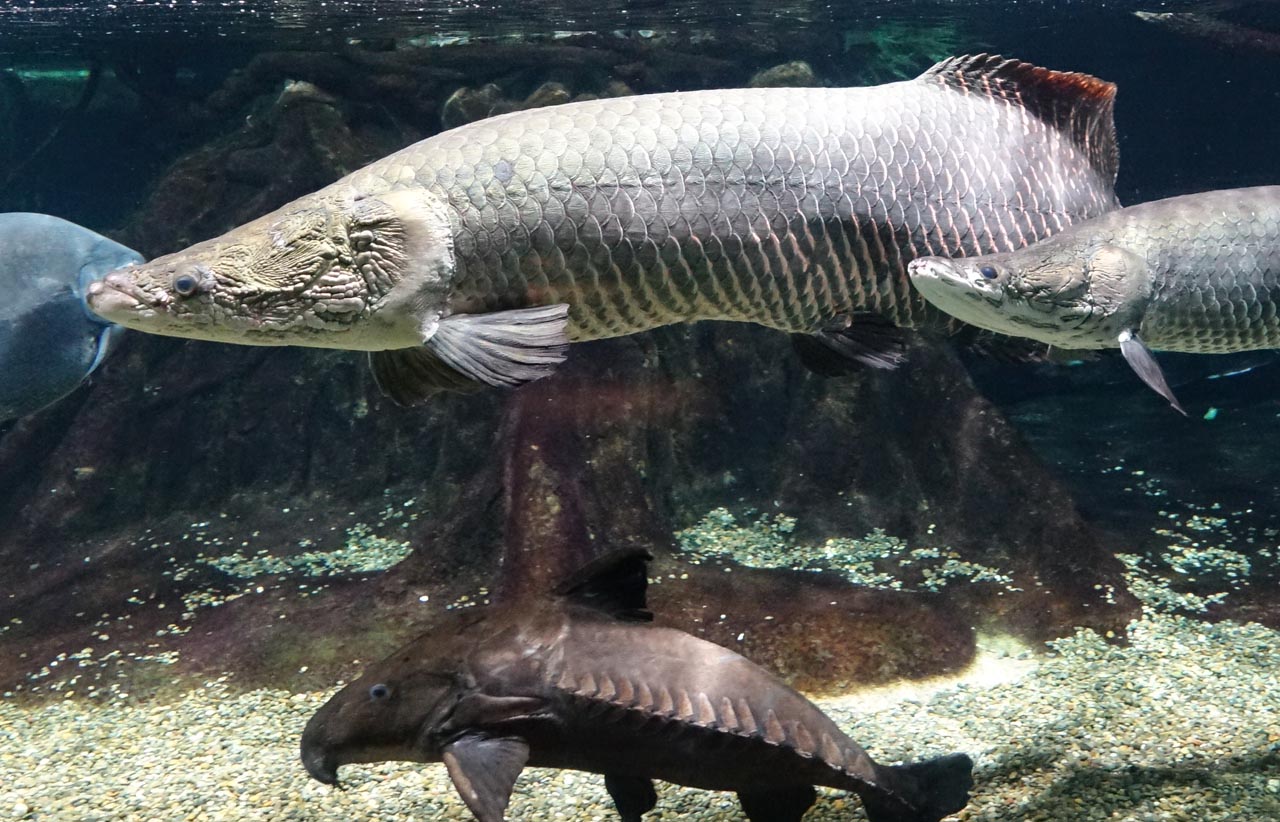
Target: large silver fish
x=49 y=340
x=1198 y=273
x=477 y=254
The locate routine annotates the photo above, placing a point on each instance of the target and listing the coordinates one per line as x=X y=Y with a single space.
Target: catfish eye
x=988 y=271
x=185 y=285
x=379 y=692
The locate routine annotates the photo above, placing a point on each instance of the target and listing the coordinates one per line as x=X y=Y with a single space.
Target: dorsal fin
x=613 y=583
x=1079 y=105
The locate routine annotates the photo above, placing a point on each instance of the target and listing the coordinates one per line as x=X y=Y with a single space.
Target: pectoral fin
x=504 y=347
x=466 y=351
x=107 y=338
x=1141 y=361
x=780 y=805
x=849 y=344
x=410 y=375
x=633 y=796
x=484 y=770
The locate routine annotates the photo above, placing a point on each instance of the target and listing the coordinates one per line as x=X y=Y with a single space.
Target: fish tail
x=921 y=792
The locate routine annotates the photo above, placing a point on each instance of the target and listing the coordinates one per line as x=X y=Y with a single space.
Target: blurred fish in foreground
x=1213 y=30
x=49 y=339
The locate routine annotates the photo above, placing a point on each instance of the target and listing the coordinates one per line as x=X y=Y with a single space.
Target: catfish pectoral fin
x=504 y=348
x=633 y=796
x=851 y=344
x=787 y=805
x=484 y=770
x=1144 y=364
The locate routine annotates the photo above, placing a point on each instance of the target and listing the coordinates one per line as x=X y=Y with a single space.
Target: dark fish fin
x=1079 y=105
x=923 y=791
x=785 y=805
x=505 y=348
x=1003 y=348
x=410 y=375
x=850 y=344
x=484 y=770
x=633 y=796
x=1141 y=361
x=614 y=584
x=487 y=709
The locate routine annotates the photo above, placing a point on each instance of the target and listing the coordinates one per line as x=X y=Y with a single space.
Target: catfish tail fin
x=934 y=788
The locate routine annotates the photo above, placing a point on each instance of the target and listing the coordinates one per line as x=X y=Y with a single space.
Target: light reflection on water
x=51 y=28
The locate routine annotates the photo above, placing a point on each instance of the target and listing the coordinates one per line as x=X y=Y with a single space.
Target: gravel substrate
x=1183 y=724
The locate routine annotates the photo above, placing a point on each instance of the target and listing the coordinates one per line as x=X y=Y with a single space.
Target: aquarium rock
x=796 y=74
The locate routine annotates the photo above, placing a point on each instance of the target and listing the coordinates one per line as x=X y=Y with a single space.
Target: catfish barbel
x=476 y=255
x=1198 y=273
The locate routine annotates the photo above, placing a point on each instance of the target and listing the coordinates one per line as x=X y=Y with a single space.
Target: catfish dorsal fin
x=613 y=583
x=1080 y=105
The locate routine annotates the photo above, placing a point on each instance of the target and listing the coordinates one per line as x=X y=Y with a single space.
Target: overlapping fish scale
x=780 y=207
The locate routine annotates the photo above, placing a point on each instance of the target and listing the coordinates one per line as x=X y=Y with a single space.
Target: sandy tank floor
x=1182 y=724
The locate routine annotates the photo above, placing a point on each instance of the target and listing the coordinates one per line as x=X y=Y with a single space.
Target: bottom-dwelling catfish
x=582 y=680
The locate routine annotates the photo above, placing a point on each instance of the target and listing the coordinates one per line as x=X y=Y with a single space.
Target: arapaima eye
x=989 y=272
x=379 y=692
x=185 y=285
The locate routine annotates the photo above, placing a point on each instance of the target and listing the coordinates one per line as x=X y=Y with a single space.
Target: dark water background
x=1192 y=113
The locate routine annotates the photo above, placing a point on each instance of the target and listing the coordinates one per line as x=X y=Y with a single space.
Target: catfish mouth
x=322 y=759
x=320 y=765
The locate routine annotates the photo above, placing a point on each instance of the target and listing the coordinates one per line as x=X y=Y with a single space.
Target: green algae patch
x=363 y=552
x=876 y=560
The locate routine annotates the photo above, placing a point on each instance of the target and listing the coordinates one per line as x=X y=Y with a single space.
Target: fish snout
x=116 y=297
x=936 y=276
x=937 y=269
x=929 y=268
x=319 y=763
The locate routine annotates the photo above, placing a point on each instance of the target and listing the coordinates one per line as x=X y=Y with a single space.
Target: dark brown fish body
x=477 y=254
x=569 y=685
x=629 y=691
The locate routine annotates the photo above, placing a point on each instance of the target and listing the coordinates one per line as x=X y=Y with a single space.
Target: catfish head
x=1070 y=291
x=337 y=269
x=399 y=709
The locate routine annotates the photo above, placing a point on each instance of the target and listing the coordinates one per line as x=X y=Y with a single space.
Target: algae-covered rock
x=787 y=75
x=467 y=105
